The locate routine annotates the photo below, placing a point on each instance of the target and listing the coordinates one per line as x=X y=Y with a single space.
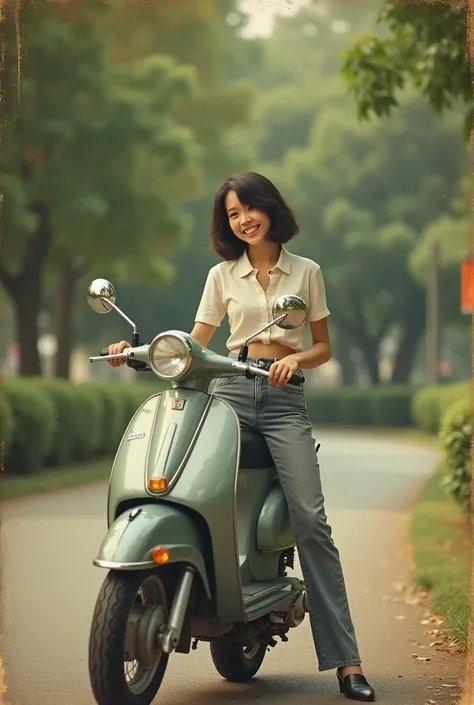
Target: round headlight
x=170 y=356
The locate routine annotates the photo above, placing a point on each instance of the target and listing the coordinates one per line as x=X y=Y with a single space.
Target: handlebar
x=295 y=380
x=249 y=370
x=126 y=355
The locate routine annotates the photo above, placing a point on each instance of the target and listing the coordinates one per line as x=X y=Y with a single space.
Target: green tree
x=423 y=46
x=298 y=74
x=90 y=159
x=194 y=35
x=364 y=195
x=451 y=230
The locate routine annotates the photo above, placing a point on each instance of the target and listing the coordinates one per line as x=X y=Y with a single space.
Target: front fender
x=129 y=542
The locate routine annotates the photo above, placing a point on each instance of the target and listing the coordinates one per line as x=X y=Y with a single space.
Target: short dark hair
x=254 y=190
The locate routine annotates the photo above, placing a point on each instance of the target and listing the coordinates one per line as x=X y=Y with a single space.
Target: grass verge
x=52 y=480
x=441 y=541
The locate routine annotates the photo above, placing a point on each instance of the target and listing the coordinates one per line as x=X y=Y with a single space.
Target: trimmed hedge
x=323 y=406
x=7 y=426
x=456 y=436
x=50 y=422
x=63 y=399
x=35 y=423
x=431 y=402
x=391 y=405
x=373 y=406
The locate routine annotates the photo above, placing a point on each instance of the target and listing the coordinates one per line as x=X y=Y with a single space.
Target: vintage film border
x=14 y=14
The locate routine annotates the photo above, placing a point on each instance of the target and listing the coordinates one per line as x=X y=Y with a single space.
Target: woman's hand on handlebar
x=116 y=349
x=282 y=370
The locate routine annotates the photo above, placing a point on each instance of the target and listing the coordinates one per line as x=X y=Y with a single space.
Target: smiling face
x=248 y=224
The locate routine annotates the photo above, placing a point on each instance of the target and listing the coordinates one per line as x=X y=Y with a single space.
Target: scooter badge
x=178 y=404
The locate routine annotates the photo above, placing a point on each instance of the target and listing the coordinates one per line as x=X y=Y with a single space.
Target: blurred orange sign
x=467 y=285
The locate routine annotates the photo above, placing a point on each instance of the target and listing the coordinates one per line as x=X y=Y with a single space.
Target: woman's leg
x=282 y=417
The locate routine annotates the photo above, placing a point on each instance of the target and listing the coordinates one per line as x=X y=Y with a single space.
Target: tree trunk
x=24 y=288
x=356 y=328
x=370 y=351
x=69 y=274
x=369 y=346
x=405 y=356
x=343 y=354
x=413 y=324
x=26 y=306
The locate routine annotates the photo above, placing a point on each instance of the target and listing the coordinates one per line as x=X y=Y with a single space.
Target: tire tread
x=106 y=650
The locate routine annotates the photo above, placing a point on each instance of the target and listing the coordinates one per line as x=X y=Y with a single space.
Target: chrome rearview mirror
x=295 y=309
x=288 y=312
x=101 y=298
x=99 y=294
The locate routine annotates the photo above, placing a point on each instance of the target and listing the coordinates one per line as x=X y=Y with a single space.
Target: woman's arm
x=316 y=355
x=211 y=309
x=320 y=351
x=203 y=333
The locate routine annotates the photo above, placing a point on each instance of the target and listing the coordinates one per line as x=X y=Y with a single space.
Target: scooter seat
x=254 y=452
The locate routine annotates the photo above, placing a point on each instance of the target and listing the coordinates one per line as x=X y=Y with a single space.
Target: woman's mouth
x=252 y=230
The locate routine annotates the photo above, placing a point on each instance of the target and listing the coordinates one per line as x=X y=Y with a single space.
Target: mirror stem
x=244 y=350
x=107 y=302
x=135 y=339
x=243 y=353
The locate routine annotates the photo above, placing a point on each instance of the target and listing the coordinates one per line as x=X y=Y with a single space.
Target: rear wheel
x=126 y=664
x=237 y=662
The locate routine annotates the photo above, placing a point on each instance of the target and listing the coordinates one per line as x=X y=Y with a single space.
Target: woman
x=250 y=224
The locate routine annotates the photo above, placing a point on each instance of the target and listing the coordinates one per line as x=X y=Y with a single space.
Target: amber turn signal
x=157 y=483
x=161 y=555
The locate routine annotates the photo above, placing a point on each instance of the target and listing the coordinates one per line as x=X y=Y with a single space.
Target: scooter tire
x=233 y=663
x=107 y=642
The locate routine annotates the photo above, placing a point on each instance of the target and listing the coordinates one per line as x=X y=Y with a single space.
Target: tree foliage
x=194 y=34
x=90 y=157
x=111 y=135
x=424 y=46
x=365 y=194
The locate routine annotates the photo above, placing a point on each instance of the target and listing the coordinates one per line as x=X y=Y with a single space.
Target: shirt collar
x=283 y=264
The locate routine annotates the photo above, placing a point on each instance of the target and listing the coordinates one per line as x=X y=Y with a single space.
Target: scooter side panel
x=274 y=528
x=129 y=542
x=208 y=486
x=155 y=444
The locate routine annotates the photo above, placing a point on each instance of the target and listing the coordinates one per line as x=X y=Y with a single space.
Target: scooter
x=199 y=538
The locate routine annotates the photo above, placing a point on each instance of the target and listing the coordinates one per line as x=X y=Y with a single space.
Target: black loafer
x=356 y=687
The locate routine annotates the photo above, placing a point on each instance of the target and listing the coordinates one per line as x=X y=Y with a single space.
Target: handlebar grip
x=296 y=380
x=104 y=351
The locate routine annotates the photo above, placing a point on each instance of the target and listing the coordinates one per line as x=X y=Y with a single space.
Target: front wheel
x=126 y=664
x=237 y=662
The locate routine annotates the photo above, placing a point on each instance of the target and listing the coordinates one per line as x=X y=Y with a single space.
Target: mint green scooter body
x=230 y=523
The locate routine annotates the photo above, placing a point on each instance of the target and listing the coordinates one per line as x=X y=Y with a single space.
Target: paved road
x=50 y=586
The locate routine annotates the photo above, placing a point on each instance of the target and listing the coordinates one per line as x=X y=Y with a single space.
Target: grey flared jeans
x=281 y=416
